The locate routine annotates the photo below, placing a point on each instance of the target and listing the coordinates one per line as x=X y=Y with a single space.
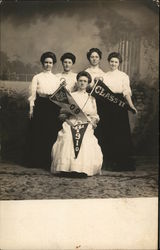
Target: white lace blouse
x=118 y=82
x=44 y=83
x=95 y=72
x=70 y=78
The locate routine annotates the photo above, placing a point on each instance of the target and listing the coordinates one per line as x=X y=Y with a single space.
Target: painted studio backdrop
x=29 y=28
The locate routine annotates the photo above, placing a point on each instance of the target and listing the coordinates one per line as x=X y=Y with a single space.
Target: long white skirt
x=89 y=159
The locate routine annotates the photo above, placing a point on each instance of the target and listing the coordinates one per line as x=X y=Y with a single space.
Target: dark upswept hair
x=48 y=54
x=94 y=50
x=68 y=55
x=86 y=74
x=116 y=55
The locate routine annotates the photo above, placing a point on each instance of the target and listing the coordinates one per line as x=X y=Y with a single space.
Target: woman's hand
x=31 y=112
x=129 y=100
x=63 y=117
x=63 y=82
x=134 y=110
x=93 y=121
x=69 y=123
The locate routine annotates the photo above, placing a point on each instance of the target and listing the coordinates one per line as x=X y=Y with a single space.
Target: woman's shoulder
x=73 y=73
x=116 y=72
x=122 y=73
x=38 y=74
x=58 y=75
x=87 y=69
x=101 y=70
x=54 y=75
x=72 y=76
x=97 y=70
x=41 y=74
x=75 y=93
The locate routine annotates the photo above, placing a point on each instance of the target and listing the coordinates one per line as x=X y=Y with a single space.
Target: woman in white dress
x=94 y=57
x=68 y=60
x=43 y=113
x=115 y=138
x=89 y=159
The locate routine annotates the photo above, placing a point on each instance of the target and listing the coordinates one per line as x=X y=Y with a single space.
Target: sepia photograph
x=79 y=122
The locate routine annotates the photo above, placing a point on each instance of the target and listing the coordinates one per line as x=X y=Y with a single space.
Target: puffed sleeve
x=32 y=90
x=126 y=85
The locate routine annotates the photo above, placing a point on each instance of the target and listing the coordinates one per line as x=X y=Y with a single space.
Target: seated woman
x=68 y=59
x=89 y=159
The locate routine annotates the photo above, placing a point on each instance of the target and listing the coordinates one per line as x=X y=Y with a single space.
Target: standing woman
x=116 y=136
x=68 y=59
x=43 y=113
x=94 y=57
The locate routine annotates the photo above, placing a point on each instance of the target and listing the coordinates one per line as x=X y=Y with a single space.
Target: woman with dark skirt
x=113 y=130
x=43 y=113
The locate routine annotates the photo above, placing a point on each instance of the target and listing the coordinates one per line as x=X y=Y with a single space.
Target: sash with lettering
x=77 y=135
x=101 y=91
x=64 y=99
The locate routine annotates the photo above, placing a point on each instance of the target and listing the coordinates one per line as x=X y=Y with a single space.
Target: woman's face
x=114 y=63
x=82 y=83
x=67 y=64
x=48 y=64
x=94 y=59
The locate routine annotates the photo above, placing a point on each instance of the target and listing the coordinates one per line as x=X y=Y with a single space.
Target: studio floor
x=21 y=183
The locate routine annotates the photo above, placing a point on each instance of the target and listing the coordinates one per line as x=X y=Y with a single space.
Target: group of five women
x=107 y=140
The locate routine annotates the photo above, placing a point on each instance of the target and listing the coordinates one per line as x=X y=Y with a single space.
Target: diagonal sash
x=102 y=92
x=65 y=100
x=77 y=135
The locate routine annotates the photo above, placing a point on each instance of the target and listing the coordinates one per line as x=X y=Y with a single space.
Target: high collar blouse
x=118 y=82
x=70 y=78
x=44 y=83
x=95 y=72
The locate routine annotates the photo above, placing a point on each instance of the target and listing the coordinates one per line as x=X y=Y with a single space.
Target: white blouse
x=95 y=72
x=70 y=78
x=118 y=82
x=90 y=109
x=44 y=83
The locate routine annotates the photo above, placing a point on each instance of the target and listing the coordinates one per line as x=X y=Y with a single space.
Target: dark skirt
x=114 y=136
x=44 y=127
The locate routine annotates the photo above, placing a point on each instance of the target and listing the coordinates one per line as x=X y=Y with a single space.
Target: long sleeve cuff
x=126 y=92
